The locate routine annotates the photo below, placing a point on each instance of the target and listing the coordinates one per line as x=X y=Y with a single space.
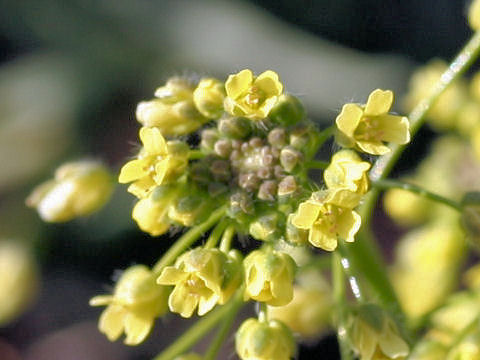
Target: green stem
x=349 y=272
x=200 y=328
x=222 y=333
x=188 y=239
x=317 y=164
x=384 y=165
x=227 y=237
x=195 y=154
x=216 y=234
x=391 y=184
x=338 y=279
x=319 y=140
x=263 y=312
x=365 y=252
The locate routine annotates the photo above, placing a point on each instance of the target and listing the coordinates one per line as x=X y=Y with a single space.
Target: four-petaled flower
x=202 y=278
x=347 y=177
x=327 y=220
x=367 y=127
x=157 y=163
x=136 y=302
x=250 y=96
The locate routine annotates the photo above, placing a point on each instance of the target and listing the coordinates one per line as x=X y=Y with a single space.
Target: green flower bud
x=236 y=127
x=189 y=210
x=264 y=341
x=265 y=227
x=288 y=111
x=295 y=235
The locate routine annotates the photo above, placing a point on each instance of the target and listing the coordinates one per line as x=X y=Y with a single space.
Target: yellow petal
x=238 y=83
x=306 y=215
x=348 y=120
x=348 y=225
x=269 y=83
x=137 y=328
x=153 y=141
x=171 y=276
x=207 y=304
x=373 y=147
x=133 y=170
x=161 y=169
x=142 y=187
x=379 y=102
x=182 y=302
x=111 y=322
x=394 y=129
x=255 y=281
x=392 y=344
x=322 y=239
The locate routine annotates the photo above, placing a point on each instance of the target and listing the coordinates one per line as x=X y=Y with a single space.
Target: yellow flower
x=136 y=302
x=157 y=163
x=250 y=96
x=347 y=175
x=368 y=126
x=474 y=15
x=269 y=277
x=308 y=314
x=202 y=278
x=405 y=207
x=471 y=277
x=173 y=112
x=374 y=336
x=442 y=115
x=151 y=213
x=78 y=189
x=326 y=221
x=208 y=98
x=18 y=280
x=262 y=340
x=467 y=349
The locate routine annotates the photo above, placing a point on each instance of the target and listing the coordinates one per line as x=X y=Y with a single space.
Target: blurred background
x=71 y=74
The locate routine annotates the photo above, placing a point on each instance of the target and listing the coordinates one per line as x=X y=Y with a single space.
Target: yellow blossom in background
x=208 y=98
x=468 y=118
x=443 y=114
x=347 y=173
x=173 y=111
x=262 y=340
x=405 y=207
x=474 y=15
x=251 y=96
x=368 y=126
x=309 y=312
x=326 y=221
x=471 y=277
x=269 y=277
x=18 y=280
x=136 y=302
x=467 y=349
x=426 y=266
x=78 y=189
x=157 y=163
x=202 y=278
x=374 y=336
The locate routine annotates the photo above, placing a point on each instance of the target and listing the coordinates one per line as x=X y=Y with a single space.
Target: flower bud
x=136 y=302
x=19 y=280
x=202 y=278
x=288 y=111
x=208 y=98
x=78 y=189
x=151 y=213
x=264 y=341
x=188 y=210
x=175 y=89
x=269 y=277
x=235 y=127
x=289 y=158
x=265 y=227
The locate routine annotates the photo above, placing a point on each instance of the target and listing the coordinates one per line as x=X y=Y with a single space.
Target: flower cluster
x=233 y=158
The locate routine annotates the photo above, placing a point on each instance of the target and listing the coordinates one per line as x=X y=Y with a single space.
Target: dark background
x=113 y=55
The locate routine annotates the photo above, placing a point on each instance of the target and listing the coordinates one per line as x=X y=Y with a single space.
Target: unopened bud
x=267 y=190
x=236 y=127
x=277 y=137
x=208 y=98
x=289 y=158
x=208 y=138
x=288 y=111
x=287 y=186
x=264 y=228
